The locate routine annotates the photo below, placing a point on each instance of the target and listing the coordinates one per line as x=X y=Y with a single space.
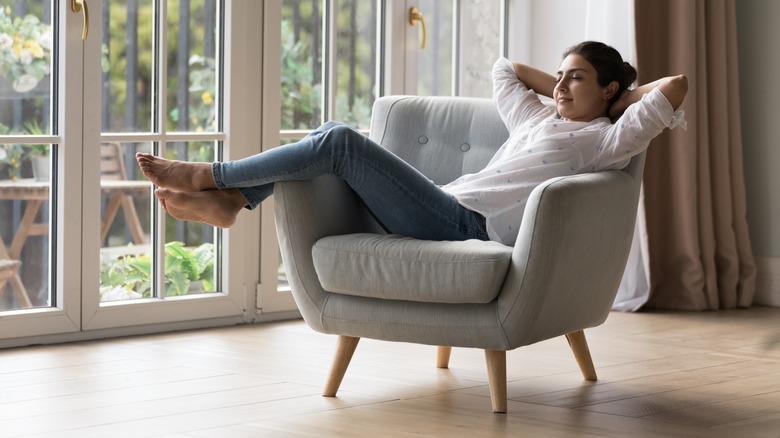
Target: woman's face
x=577 y=94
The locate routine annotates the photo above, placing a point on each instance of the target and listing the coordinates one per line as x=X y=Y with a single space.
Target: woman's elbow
x=675 y=89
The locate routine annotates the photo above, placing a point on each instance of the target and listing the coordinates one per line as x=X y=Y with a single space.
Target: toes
x=162 y=194
x=142 y=156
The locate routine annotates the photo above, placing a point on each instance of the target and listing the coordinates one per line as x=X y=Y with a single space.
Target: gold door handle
x=81 y=6
x=414 y=16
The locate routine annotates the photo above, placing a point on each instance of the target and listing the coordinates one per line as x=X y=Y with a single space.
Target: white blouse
x=541 y=146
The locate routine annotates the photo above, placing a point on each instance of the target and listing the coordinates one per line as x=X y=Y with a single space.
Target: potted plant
x=187 y=270
x=38 y=154
x=14 y=156
x=10 y=161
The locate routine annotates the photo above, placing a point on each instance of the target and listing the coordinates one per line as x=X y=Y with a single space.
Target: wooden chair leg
x=443 y=357
x=9 y=274
x=496 y=365
x=579 y=346
x=109 y=213
x=132 y=220
x=344 y=351
x=20 y=292
x=3 y=283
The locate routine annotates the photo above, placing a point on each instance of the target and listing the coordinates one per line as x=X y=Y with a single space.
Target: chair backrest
x=112 y=166
x=443 y=137
x=446 y=137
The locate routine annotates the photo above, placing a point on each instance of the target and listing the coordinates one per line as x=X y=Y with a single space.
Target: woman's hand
x=621 y=104
x=541 y=82
x=674 y=89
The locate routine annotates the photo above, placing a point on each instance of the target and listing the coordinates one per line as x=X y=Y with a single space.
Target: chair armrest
x=305 y=212
x=569 y=256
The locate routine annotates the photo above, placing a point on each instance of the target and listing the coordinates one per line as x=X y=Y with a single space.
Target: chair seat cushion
x=402 y=268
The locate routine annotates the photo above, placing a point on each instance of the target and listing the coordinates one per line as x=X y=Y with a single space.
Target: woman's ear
x=610 y=90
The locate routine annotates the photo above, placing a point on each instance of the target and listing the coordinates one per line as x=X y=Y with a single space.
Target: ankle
x=236 y=199
x=203 y=178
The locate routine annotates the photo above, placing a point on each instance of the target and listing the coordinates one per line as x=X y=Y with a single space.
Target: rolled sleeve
x=631 y=134
x=515 y=102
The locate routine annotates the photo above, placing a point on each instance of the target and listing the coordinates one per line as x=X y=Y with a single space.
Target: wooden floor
x=661 y=375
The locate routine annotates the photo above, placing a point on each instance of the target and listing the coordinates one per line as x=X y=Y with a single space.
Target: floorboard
x=668 y=374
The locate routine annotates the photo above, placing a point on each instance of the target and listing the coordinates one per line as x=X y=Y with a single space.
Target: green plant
x=132 y=274
x=11 y=160
x=25 y=50
x=202 y=110
x=301 y=98
x=35 y=150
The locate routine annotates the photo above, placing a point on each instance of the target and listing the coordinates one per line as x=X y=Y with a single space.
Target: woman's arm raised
x=542 y=83
x=674 y=89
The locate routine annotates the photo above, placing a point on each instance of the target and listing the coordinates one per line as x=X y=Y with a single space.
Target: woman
x=577 y=136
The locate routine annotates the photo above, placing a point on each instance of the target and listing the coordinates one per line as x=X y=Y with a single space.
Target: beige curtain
x=700 y=255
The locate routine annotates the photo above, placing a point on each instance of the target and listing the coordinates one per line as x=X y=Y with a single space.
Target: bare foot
x=218 y=208
x=181 y=176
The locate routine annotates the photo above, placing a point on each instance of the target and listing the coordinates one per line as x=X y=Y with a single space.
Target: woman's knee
x=338 y=139
x=327 y=126
x=340 y=134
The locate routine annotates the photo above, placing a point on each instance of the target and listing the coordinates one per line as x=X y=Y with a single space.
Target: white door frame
x=65 y=198
x=398 y=42
x=228 y=306
x=271 y=301
x=78 y=314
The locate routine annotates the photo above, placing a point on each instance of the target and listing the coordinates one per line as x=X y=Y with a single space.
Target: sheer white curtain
x=612 y=22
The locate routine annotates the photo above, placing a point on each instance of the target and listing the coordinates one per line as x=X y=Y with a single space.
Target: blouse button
x=422 y=139
x=465 y=147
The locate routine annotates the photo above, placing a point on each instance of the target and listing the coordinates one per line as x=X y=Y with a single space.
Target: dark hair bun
x=628 y=76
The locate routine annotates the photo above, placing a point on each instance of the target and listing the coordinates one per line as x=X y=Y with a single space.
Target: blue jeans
x=403 y=200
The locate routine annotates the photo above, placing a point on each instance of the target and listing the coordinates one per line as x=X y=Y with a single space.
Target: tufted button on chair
x=351 y=279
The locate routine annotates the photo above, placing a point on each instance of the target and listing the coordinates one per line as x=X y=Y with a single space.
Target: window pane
x=301 y=64
x=190 y=261
x=24 y=226
x=192 y=27
x=434 y=62
x=26 y=49
x=480 y=50
x=355 y=63
x=126 y=262
x=26 y=44
x=125 y=232
x=128 y=59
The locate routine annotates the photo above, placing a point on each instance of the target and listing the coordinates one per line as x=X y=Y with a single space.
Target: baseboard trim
x=767 y=281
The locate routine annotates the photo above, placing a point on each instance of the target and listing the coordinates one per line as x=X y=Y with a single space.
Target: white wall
x=758 y=39
x=540 y=30
x=759 y=45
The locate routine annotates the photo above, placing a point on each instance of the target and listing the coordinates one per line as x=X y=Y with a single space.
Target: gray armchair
x=351 y=279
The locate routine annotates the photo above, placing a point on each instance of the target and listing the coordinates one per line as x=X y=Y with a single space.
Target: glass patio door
x=321 y=62
x=450 y=46
x=85 y=246
x=40 y=137
x=334 y=58
x=157 y=70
